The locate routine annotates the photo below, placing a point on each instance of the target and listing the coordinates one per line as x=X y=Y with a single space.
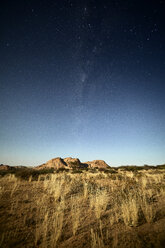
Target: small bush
x=84 y=169
x=102 y=169
x=93 y=170
x=75 y=171
x=62 y=170
x=110 y=171
x=107 y=170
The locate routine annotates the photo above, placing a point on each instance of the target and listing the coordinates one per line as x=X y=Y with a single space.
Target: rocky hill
x=97 y=164
x=70 y=163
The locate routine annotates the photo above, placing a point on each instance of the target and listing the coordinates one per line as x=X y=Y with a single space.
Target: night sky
x=84 y=79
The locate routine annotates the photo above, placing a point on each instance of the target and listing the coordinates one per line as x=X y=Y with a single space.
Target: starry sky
x=84 y=79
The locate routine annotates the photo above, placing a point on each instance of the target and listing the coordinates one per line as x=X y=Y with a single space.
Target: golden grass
x=75 y=212
x=98 y=202
x=96 y=240
x=80 y=210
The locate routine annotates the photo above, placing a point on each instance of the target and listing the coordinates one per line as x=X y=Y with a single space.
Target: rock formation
x=97 y=164
x=55 y=163
x=5 y=167
x=70 y=163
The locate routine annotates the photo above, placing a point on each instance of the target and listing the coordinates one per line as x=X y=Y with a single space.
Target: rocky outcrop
x=71 y=163
x=5 y=167
x=59 y=163
x=55 y=163
x=97 y=164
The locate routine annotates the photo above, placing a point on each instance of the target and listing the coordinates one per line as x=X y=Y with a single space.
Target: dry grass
x=83 y=210
x=98 y=202
x=130 y=211
x=96 y=240
x=75 y=212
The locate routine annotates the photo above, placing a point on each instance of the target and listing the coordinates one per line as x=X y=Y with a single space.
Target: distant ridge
x=8 y=167
x=75 y=163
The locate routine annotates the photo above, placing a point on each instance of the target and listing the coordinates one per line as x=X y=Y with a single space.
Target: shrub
x=93 y=170
x=62 y=170
x=107 y=170
x=84 y=169
x=26 y=173
x=74 y=171
x=5 y=172
x=110 y=171
x=162 y=167
x=102 y=169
